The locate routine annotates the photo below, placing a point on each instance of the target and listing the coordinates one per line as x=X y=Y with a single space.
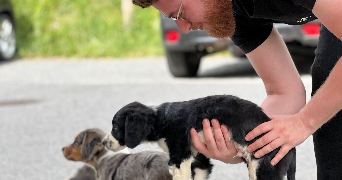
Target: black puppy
x=169 y=125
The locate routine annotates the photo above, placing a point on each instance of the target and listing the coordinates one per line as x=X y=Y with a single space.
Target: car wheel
x=7 y=38
x=183 y=64
x=303 y=62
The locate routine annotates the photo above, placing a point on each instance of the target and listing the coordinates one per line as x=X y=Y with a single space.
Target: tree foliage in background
x=84 y=28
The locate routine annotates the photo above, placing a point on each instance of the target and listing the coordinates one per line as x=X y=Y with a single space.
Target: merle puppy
x=169 y=125
x=88 y=147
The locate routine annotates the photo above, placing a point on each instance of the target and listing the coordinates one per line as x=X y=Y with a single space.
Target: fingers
x=261 y=129
x=208 y=136
x=263 y=141
x=219 y=138
x=225 y=133
x=226 y=136
x=198 y=145
x=214 y=139
x=272 y=146
x=210 y=143
x=282 y=152
x=283 y=133
x=269 y=148
x=217 y=142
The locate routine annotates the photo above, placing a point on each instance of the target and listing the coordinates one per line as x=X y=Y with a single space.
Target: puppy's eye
x=115 y=127
x=75 y=143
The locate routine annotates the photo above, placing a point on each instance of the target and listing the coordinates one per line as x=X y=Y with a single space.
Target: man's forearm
x=326 y=102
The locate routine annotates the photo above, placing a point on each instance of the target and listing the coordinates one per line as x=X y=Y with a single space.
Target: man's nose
x=184 y=26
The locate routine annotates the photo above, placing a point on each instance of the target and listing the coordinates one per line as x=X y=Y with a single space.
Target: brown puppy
x=88 y=147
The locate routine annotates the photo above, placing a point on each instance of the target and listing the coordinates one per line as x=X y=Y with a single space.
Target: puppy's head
x=85 y=146
x=131 y=125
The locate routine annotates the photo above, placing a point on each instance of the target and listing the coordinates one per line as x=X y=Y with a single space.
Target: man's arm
x=328 y=99
x=273 y=63
x=286 y=95
x=291 y=131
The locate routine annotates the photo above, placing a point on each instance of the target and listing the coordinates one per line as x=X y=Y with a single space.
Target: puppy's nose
x=62 y=149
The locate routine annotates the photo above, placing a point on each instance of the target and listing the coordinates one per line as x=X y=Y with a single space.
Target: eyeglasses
x=177 y=18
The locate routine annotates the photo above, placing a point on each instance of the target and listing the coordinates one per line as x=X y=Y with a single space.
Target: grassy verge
x=84 y=28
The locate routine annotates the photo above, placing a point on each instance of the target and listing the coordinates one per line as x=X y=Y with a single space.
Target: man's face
x=213 y=16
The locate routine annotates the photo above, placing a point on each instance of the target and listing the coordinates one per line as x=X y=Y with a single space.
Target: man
x=250 y=25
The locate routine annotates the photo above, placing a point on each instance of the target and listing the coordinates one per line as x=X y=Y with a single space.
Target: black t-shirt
x=254 y=19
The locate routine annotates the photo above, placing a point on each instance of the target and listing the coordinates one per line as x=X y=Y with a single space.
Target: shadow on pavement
x=240 y=68
x=3 y=62
x=243 y=68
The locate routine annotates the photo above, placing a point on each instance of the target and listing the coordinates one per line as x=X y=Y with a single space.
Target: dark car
x=184 y=51
x=8 y=43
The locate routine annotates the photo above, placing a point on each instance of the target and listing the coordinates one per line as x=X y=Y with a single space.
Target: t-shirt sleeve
x=308 y=4
x=249 y=32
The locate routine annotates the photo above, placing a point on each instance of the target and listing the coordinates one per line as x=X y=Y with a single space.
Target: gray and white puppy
x=88 y=147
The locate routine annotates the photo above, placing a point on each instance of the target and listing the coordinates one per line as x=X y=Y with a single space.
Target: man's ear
x=137 y=126
x=89 y=149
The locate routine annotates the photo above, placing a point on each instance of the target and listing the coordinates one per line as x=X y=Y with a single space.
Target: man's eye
x=173 y=18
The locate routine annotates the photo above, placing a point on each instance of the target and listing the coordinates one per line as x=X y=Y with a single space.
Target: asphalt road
x=44 y=104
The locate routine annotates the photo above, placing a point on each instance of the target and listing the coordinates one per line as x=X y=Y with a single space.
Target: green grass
x=84 y=28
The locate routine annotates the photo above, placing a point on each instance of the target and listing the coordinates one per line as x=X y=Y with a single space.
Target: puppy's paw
x=111 y=143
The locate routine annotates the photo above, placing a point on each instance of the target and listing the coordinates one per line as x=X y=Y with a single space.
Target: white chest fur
x=162 y=144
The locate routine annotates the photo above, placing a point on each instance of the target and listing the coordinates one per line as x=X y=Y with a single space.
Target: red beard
x=219 y=15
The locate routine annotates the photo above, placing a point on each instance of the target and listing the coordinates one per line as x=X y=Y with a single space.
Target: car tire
x=183 y=64
x=303 y=62
x=8 y=43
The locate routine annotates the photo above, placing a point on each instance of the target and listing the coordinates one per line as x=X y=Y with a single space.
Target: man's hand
x=217 y=143
x=283 y=131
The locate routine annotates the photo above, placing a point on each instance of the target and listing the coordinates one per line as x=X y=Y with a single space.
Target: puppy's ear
x=90 y=146
x=137 y=126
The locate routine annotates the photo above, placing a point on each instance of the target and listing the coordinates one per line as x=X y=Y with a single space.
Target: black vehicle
x=8 y=44
x=184 y=51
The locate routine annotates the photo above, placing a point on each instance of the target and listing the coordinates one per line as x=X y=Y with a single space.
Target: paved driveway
x=44 y=104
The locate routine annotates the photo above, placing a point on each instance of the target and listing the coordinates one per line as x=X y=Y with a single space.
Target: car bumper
x=294 y=33
x=197 y=41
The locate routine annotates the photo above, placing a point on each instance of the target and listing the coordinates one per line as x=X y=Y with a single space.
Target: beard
x=219 y=15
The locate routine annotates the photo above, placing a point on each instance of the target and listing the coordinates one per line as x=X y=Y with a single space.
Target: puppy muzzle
x=111 y=143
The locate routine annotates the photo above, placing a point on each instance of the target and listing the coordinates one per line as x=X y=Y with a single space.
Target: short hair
x=144 y=3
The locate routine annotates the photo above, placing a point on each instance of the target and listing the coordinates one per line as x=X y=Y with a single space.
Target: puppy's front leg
x=184 y=172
